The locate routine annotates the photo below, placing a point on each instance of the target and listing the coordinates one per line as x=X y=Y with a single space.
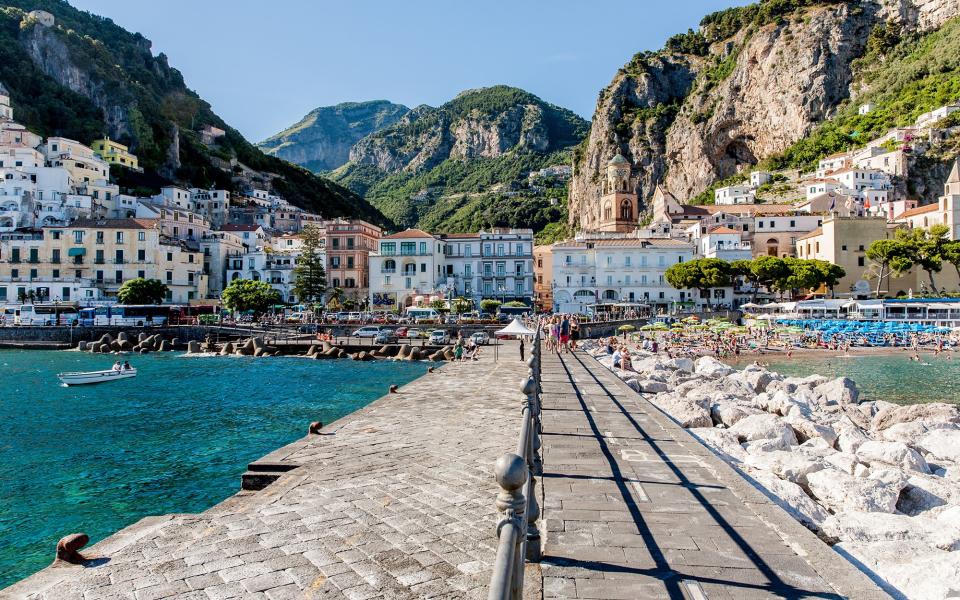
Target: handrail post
x=511 y=473
x=531 y=441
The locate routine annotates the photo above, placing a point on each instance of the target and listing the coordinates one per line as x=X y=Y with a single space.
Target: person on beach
x=458 y=350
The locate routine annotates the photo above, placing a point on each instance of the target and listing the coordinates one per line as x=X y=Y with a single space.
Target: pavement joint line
x=695 y=590
x=641 y=493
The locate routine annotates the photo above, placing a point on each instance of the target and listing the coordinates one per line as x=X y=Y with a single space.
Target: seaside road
x=635 y=507
x=393 y=501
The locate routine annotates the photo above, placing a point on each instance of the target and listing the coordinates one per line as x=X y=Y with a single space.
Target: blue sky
x=263 y=65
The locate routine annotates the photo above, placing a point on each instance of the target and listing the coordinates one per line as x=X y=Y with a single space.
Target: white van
x=423 y=314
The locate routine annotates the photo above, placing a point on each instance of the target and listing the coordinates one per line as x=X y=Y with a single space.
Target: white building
x=734 y=194
x=609 y=270
x=407 y=269
x=724 y=243
x=219 y=249
x=6 y=111
x=946 y=211
x=496 y=264
x=758 y=178
x=832 y=163
x=820 y=186
x=273 y=267
x=928 y=119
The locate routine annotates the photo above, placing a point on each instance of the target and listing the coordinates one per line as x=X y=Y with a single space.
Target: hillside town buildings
x=414 y=266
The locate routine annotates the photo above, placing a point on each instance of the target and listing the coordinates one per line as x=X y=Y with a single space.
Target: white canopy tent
x=515 y=328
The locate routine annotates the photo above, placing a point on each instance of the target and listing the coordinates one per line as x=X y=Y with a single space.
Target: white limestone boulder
x=817 y=447
x=841 y=390
x=765 y=427
x=711 y=367
x=790 y=497
x=839 y=491
x=928 y=574
x=849 y=435
x=935 y=412
x=941 y=444
x=896 y=454
x=652 y=386
x=861 y=527
x=722 y=442
x=688 y=412
x=806 y=429
x=791 y=466
x=681 y=364
x=728 y=413
x=928 y=494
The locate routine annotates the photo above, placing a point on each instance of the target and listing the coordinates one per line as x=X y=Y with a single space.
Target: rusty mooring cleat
x=68 y=548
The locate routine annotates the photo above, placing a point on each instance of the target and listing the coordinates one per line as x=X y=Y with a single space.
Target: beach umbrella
x=648 y=328
x=626 y=327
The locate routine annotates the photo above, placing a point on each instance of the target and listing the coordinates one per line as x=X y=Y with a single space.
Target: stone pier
x=393 y=501
x=635 y=507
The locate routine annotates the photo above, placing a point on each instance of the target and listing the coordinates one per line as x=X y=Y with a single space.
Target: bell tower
x=618 y=205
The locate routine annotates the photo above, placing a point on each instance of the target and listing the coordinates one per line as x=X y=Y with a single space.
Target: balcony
x=388 y=271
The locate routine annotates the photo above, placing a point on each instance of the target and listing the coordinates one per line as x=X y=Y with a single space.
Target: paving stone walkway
x=635 y=507
x=393 y=501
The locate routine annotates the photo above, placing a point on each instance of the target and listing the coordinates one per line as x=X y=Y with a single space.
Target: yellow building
x=115 y=153
x=844 y=241
x=90 y=260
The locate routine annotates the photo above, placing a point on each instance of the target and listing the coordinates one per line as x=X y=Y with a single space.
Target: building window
x=423 y=247
x=169 y=276
x=78 y=237
x=388 y=248
x=860 y=261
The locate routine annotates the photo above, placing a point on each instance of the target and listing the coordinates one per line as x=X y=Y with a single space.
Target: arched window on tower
x=626 y=211
x=607 y=212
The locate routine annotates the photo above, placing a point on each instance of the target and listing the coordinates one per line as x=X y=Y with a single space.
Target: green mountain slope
x=87 y=77
x=322 y=139
x=464 y=165
x=903 y=76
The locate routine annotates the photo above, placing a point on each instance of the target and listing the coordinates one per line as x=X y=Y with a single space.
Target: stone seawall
x=73 y=335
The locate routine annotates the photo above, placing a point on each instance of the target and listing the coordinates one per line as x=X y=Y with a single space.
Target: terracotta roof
x=109 y=224
x=920 y=210
x=239 y=227
x=757 y=209
x=722 y=229
x=814 y=233
x=409 y=233
x=460 y=236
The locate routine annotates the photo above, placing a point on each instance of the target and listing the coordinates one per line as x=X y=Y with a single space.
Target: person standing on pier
x=521 y=348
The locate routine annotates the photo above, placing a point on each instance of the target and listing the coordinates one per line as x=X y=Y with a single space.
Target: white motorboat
x=95 y=376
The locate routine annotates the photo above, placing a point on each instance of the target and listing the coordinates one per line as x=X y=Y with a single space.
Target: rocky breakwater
x=878 y=481
x=124 y=342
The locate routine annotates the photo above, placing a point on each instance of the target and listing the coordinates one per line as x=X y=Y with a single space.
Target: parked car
x=370 y=331
x=386 y=336
x=413 y=332
x=308 y=328
x=481 y=338
x=401 y=332
x=439 y=337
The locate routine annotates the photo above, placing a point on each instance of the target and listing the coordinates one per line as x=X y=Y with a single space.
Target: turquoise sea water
x=175 y=438
x=893 y=377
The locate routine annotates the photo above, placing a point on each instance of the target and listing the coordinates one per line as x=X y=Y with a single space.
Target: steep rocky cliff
x=481 y=140
x=747 y=85
x=322 y=140
x=85 y=77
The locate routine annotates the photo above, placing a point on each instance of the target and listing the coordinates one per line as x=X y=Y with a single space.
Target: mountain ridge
x=86 y=77
x=747 y=85
x=322 y=139
x=433 y=161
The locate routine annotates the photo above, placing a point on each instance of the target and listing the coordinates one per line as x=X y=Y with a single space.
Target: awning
x=515 y=328
x=76 y=251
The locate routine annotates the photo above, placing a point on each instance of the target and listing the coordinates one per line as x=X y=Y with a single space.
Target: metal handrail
x=517 y=499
